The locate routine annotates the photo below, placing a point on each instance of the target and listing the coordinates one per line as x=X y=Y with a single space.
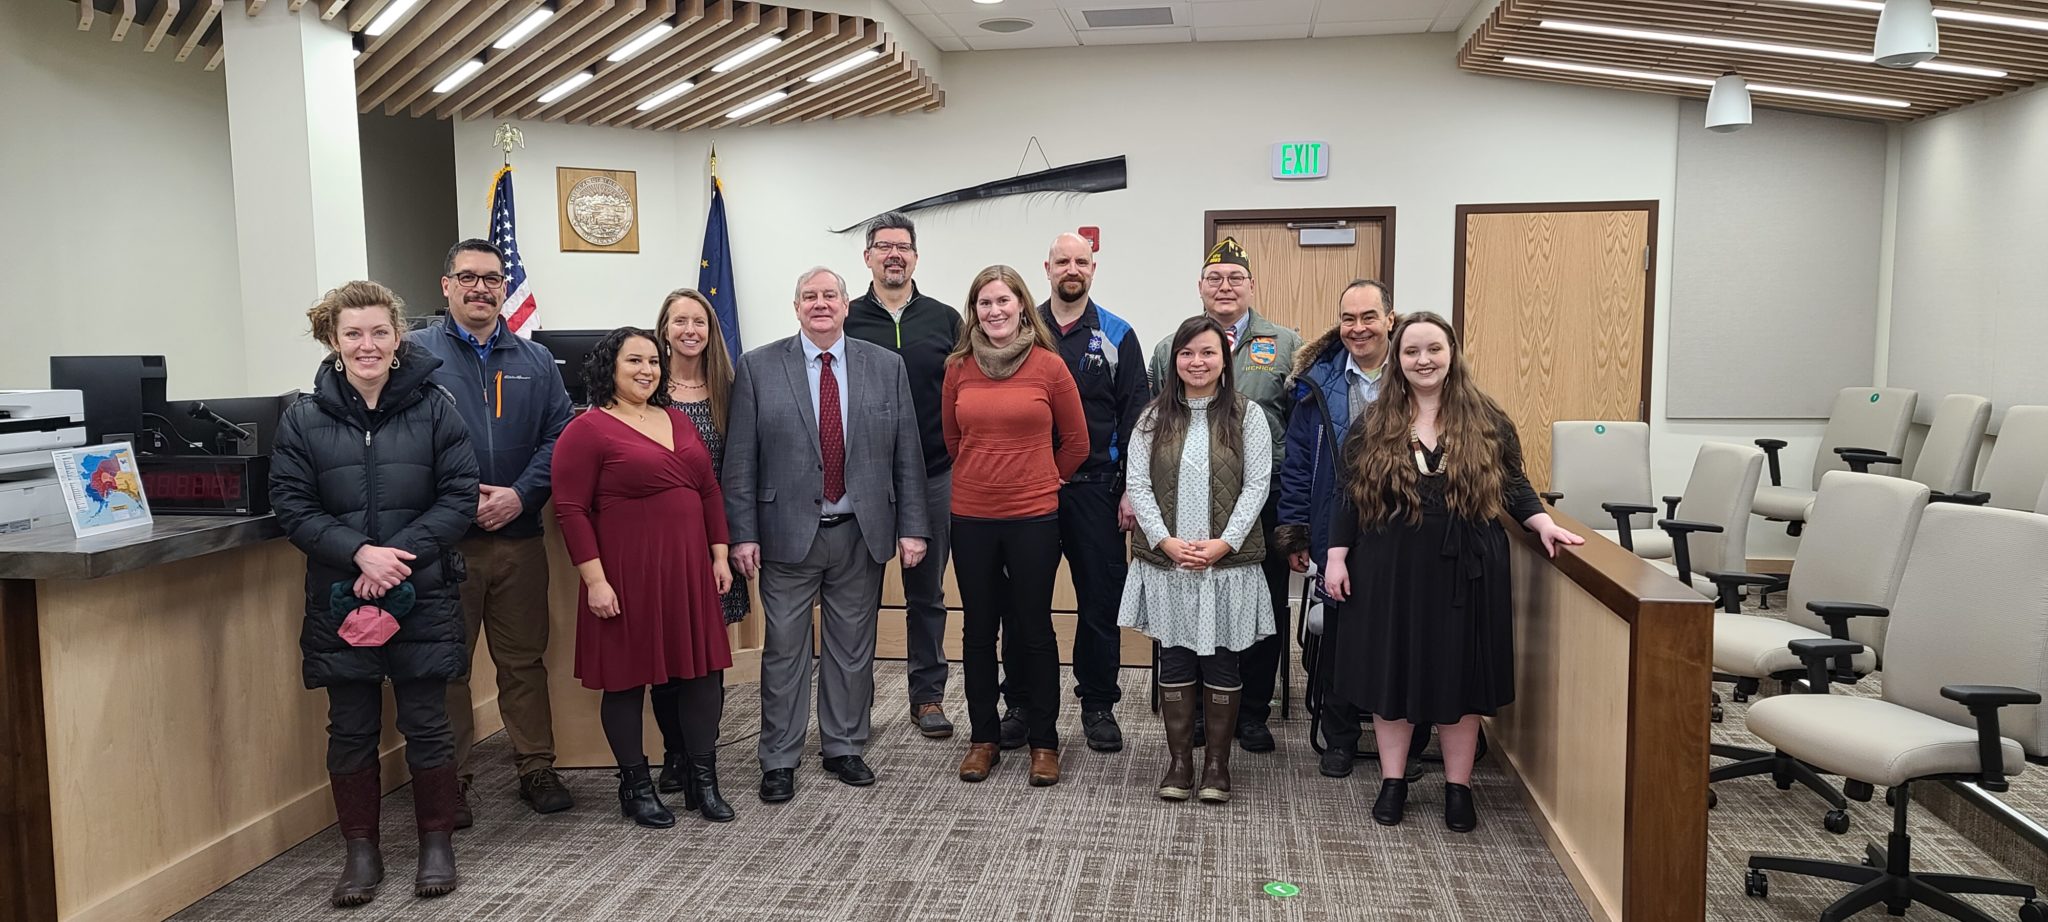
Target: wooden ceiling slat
x=434 y=55
x=331 y=8
x=124 y=21
x=699 y=54
x=842 y=34
x=294 y=5
x=398 y=90
x=570 y=16
x=878 y=76
x=362 y=12
x=896 y=96
x=585 y=52
x=160 y=23
x=653 y=69
x=386 y=51
x=1756 y=69
x=255 y=6
x=85 y=15
x=751 y=80
x=213 y=60
x=196 y=25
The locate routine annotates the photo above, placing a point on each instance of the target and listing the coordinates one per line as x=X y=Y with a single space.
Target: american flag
x=520 y=310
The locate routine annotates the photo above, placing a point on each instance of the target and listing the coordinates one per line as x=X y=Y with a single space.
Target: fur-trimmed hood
x=1316 y=350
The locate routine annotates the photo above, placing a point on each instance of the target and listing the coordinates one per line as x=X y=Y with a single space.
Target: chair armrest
x=1730 y=585
x=1671 y=506
x=1860 y=459
x=1626 y=509
x=1837 y=615
x=1621 y=512
x=1815 y=653
x=1770 y=447
x=1677 y=527
x=1551 y=497
x=1681 y=549
x=1984 y=702
x=1962 y=497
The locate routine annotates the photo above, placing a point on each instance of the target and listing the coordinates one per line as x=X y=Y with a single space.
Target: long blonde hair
x=1382 y=460
x=1027 y=312
x=717 y=362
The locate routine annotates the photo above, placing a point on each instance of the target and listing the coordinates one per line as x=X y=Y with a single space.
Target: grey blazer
x=774 y=475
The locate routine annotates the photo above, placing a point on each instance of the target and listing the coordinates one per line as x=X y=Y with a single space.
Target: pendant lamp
x=1728 y=104
x=1906 y=33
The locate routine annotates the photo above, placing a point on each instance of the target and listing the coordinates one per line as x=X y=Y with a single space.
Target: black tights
x=1182 y=666
x=687 y=710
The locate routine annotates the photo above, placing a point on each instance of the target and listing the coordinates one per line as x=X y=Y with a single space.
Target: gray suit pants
x=845 y=580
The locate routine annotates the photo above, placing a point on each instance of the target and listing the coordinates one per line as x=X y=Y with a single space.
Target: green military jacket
x=1259 y=366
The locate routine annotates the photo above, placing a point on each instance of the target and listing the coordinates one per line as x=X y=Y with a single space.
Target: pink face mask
x=368 y=626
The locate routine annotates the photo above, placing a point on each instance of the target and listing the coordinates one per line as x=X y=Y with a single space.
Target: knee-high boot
x=358 y=798
x=434 y=793
x=1177 y=709
x=1219 y=707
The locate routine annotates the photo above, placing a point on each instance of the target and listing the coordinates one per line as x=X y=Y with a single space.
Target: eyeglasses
x=469 y=280
x=1234 y=280
x=886 y=248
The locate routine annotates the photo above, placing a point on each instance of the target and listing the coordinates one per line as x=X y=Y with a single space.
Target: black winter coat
x=402 y=476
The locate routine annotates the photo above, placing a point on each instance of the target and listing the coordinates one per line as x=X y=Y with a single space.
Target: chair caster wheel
x=1739 y=697
x=1837 y=822
x=1713 y=799
x=1891 y=797
x=2033 y=912
x=1858 y=791
x=1716 y=714
x=1756 y=884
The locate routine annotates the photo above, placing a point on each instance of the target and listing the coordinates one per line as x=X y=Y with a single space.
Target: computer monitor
x=569 y=347
x=118 y=389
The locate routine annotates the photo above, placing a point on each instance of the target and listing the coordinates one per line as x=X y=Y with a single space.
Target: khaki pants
x=506 y=596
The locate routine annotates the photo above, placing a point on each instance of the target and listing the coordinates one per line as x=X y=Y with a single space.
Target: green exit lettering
x=1300 y=159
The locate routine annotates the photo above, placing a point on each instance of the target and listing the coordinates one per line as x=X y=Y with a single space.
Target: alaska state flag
x=714 y=271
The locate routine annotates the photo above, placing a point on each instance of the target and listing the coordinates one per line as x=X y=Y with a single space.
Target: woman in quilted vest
x=1201 y=461
x=374 y=478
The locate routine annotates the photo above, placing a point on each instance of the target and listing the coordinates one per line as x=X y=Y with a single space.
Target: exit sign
x=1301 y=160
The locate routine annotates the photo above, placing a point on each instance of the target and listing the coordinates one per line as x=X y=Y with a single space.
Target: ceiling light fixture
x=1728 y=106
x=988 y=2
x=526 y=27
x=758 y=104
x=635 y=46
x=1690 y=80
x=746 y=54
x=389 y=17
x=1906 y=33
x=1736 y=44
x=460 y=76
x=1970 y=16
x=566 y=87
x=657 y=99
x=843 y=66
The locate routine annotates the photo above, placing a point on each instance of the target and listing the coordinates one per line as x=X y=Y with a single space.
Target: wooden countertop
x=53 y=553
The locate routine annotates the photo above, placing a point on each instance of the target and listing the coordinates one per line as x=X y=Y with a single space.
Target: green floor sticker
x=1282 y=889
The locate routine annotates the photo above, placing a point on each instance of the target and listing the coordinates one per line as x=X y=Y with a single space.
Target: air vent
x=1137 y=16
x=1006 y=25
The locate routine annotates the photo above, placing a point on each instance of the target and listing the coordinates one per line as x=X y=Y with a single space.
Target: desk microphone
x=200 y=411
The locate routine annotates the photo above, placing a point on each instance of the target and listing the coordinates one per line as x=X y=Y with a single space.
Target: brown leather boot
x=358 y=797
x=981 y=758
x=1219 y=707
x=1177 y=709
x=1045 y=767
x=433 y=807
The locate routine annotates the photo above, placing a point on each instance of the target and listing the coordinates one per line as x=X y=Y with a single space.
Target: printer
x=32 y=424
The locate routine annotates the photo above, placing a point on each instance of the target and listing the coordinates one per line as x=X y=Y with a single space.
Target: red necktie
x=831 y=433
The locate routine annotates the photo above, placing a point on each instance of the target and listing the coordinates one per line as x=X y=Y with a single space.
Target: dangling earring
x=338 y=366
x=394 y=363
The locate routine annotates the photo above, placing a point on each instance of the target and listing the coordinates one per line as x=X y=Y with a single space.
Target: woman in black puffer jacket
x=374 y=478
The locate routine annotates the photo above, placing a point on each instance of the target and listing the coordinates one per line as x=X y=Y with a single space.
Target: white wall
x=409 y=204
x=119 y=234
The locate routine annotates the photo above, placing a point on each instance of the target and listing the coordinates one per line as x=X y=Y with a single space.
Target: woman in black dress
x=1419 y=560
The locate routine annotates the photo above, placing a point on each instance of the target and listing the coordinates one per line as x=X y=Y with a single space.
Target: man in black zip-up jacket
x=511 y=397
x=922 y=331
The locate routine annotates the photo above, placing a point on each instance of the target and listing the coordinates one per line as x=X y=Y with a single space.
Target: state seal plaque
x=599 y=209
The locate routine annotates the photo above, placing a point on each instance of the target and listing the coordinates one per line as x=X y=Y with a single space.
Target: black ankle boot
x=675 y=776
x=1459 y=816
x=1393 y=799
x=701 y=793
x=362 y=869
x=637 y=800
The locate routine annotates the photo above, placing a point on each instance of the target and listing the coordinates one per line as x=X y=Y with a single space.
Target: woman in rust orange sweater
x=1008 y=401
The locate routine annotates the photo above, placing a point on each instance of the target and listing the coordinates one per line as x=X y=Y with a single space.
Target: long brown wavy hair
x=717 y=362
x=1028 y=323
x=1168 y=416
x=1382 y=461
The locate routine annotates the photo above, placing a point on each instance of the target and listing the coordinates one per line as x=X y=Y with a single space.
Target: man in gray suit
x=824 y=482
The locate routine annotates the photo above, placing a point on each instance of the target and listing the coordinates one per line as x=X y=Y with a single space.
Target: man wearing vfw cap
x=1262 y=355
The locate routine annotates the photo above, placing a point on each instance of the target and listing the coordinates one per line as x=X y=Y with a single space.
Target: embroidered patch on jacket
x=1262 y=350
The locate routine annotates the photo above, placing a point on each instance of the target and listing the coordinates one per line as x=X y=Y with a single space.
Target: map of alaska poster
x=102 y=488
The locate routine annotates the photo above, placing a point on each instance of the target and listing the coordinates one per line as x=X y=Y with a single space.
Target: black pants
x=355 y=722
x=1262 y=660
x=686 y=710
x=1005 y=569
x=1182 y=666
x=1094 y=548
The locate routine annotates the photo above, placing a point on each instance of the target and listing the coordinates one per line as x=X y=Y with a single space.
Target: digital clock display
x=197 y=485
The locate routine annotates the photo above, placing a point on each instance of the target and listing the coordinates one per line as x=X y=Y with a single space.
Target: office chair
x=1710 y=522
x=2017 y=470
x=1601 y=470
x=1965 y=661
x=1870 y=422
x=1948 y=458
x=1847 y=572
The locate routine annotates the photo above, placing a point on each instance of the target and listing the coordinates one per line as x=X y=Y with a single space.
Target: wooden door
x=1553 y=304
x=1297 y=285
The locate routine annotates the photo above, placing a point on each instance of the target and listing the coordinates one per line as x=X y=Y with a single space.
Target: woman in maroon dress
x=644 y=522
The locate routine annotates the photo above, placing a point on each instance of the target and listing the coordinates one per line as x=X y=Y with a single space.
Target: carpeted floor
x=920 y=845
